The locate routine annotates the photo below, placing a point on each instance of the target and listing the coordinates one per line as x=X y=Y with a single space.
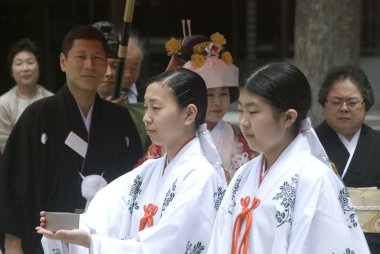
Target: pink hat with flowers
x=209 y=59
x=213 y=63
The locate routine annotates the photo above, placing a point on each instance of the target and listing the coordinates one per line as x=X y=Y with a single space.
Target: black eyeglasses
x=351 y=104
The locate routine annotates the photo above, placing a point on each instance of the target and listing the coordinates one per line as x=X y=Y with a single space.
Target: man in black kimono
x=60 y=136
x=346 y=96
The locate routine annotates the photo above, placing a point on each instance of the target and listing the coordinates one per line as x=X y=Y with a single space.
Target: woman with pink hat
x=214 y=64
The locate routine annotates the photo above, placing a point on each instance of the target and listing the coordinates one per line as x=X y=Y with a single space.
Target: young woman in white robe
x=288 y=199
x=166 y=205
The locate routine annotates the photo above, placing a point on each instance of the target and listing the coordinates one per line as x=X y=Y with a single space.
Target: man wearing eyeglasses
x=346 y=96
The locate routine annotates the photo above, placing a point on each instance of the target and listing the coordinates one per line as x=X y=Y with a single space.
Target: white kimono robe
x=188 y=195
x=304 y=208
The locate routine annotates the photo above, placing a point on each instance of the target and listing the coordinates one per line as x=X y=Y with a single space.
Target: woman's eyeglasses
x=351 y=104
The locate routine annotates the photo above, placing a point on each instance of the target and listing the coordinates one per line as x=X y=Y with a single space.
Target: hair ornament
x=173 y=47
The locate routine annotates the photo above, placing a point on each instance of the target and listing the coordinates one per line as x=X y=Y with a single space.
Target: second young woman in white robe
x=304 y=208
x=287 y=200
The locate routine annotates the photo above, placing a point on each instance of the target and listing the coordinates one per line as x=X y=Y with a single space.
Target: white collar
x=133 y=89
x=87 y=120
x=350 y=145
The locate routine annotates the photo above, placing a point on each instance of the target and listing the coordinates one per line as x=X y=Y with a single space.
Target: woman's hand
x=42 y=219
x=75 y=236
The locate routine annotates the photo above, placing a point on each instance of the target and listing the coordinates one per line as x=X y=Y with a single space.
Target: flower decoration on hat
x=213 y=63
x=198 y=60
x=218 y=38
x=227 y=57
x=212 y=48
x=173 y=47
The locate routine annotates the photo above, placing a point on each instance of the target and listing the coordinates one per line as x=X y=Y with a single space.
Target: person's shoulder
x=113 y=107
x=141 y=84
x=318 y=176
x=196 y=168
x=322 y=127
x=201 y=165
x=115 y=112
x=250 y=164
x=45 y=92
x=326 y=134
x=42 y=103
x=246 y=171
x=38 y=112
x=41 y=106
x=199 y=178
x=370 y=137
x=375 y=133
x=139 y=174
x=312 y=169
x=5 y=97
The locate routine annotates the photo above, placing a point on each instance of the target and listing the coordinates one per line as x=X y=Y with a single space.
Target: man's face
x=84 y=65
x=106 y=86
x=132 y=65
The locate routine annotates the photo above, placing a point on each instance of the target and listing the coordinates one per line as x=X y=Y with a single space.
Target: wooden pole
x=123 y=47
